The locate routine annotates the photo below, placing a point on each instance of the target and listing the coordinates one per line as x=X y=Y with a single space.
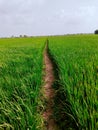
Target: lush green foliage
x=77 y=60
x=20 y=81
x=21 y=75
x=96 y=32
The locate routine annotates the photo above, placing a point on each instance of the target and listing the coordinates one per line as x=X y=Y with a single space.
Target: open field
x=75 y=60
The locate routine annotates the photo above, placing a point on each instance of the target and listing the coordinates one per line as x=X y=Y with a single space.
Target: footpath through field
x=49 y=92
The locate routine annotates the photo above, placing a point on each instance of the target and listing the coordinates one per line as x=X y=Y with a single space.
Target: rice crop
x=21 y=66
x=77 y=59
x=21 y=61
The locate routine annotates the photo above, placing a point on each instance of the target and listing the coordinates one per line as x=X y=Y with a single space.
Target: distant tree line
x=21 y=36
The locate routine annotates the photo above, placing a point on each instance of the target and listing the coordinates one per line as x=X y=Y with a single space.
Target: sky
x=47 y=17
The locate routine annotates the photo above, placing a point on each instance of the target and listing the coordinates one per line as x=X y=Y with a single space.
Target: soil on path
x=49 y=92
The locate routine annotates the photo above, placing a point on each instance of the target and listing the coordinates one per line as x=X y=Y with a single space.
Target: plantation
x=75 y=59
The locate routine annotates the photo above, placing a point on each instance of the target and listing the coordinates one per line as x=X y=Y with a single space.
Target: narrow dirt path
x=49 y=92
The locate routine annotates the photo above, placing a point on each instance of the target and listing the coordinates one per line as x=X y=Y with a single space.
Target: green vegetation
x=76 y=101
x=20 y=80
x=77 y=59
x=96 y=31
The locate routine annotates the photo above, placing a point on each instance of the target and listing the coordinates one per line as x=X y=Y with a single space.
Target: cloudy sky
x=47 y=17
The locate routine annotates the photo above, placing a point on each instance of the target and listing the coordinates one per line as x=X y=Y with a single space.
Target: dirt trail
x=49 y=92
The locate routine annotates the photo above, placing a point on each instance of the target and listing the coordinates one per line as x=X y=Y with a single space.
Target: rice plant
x=77 y=60
x=21 y=61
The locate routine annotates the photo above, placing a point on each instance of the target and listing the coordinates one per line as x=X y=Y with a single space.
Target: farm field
x=77 y=59
x=20 y=80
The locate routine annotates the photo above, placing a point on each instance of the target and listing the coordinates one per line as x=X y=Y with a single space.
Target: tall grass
x=20 y=80
x=77 y=59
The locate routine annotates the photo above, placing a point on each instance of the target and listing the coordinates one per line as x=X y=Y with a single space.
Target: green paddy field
x=21 y=78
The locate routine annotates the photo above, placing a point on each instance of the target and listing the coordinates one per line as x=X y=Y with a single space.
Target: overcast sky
x=47 y=17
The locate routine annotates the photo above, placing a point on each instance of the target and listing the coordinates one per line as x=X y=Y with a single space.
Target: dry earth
x=49 y=92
